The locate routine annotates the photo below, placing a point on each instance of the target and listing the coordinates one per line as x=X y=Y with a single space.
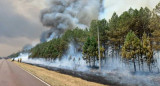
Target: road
x=12 y=75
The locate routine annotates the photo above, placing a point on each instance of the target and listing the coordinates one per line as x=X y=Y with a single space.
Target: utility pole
x=99 y=54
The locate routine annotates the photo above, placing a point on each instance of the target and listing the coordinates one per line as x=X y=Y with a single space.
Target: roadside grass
x=54 y=78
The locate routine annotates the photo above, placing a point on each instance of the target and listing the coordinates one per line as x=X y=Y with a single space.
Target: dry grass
x=56 y=79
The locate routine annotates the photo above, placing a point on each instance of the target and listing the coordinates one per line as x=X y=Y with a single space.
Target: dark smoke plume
x=68 y=14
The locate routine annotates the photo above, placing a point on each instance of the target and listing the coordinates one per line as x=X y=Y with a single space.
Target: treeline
x=57 y=46
x=135 y=33
x=14 y=55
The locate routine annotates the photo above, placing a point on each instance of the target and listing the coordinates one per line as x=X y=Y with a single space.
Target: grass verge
x=56 y=79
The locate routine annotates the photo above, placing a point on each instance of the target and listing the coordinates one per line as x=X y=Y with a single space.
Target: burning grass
x=54 y=78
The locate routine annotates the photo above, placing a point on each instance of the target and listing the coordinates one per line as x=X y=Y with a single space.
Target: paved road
x=12 y=75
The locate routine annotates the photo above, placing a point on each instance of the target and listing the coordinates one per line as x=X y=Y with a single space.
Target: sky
x=19 y=24
x=119 y=6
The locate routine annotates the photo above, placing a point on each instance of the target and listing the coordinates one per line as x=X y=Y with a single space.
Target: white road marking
x=35 y=77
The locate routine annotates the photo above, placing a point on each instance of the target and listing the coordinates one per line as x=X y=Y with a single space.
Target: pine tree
x=90 y=50
x=131 y=47
x=146 y=48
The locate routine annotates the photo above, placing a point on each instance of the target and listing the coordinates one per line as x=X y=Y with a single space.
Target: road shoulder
x=55 y=79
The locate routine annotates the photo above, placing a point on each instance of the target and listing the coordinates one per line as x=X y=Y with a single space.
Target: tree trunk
x=94 y=61
x=149 y=67
x=89 y=61
x=139 y=62
x=119 y=44
x=134 y=64
x=142 y=64
x=104 y=49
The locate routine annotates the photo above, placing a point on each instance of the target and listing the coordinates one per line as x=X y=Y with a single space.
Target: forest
x=135 y=34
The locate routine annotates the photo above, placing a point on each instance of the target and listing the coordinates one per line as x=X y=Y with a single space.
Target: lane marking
x=35 y=77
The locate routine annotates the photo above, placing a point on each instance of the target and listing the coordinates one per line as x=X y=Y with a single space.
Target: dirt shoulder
x=56 y=79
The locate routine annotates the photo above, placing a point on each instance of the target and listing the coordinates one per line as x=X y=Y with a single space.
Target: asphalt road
x=12 y=75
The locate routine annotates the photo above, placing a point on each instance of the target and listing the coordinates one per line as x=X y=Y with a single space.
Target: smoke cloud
x=68 y=14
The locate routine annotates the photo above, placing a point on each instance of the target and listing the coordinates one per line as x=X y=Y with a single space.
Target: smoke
x=114 y=69
x=68 y=14
x=71 y=60
x=27 y=47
